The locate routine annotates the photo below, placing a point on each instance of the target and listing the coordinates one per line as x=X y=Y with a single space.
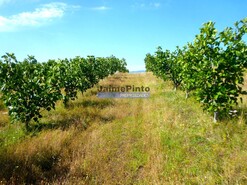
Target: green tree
x=220 y=60
x=26 y=90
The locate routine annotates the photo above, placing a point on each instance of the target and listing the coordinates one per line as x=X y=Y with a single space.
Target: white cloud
x=101 y=8
x=4 y=1
x=156 y=5
x=146 y=5
x=38 y=17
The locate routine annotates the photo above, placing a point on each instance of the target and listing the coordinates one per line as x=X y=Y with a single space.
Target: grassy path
x=164 y=139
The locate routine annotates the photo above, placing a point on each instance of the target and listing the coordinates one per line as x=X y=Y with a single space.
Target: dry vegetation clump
x=164 y=139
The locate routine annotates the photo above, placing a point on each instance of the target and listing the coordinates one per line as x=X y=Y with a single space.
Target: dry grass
x=164 y=139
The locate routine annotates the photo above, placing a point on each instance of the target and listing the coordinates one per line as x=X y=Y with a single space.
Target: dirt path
x=128 y=149
x=164 y=139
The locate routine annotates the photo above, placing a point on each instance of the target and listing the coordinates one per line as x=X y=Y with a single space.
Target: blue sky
x=126 y=29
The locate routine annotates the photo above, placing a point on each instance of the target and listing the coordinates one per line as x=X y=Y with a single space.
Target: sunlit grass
x=165 y=139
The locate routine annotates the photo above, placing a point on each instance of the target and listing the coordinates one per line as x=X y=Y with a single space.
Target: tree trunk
x=175 y=89
x=187 y=94
x=216 y=115
x=27 y=126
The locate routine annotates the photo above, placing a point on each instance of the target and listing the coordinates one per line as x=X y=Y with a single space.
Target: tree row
x=212 y=67
x=29 y=87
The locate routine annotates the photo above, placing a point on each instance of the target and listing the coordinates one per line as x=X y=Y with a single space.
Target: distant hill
x=139 y=71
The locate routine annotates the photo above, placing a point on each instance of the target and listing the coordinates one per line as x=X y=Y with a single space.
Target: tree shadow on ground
x=91 y=112
x=235 y=115
x=99 y=104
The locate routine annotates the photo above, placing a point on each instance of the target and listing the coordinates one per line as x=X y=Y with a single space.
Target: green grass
x=11 y=134
x=165 y=139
